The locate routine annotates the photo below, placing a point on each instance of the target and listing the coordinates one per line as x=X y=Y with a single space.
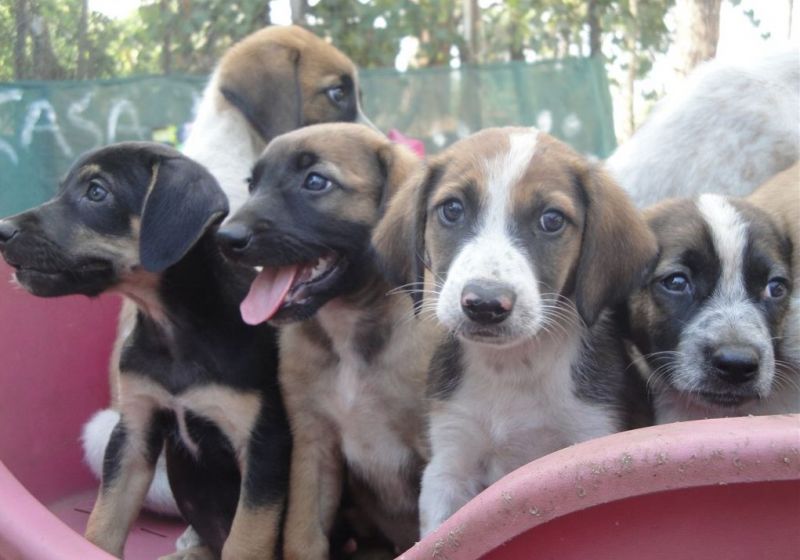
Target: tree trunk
x=298 y=11
x=633 y=66
x=594 y=29
x=45 y=62
x=697 y=34
x=166 y=44
x=471 y=20
x=83 y=42
x=515 y=48
x=21 y=26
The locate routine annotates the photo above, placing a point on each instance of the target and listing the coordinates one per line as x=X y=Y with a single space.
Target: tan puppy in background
x=273 y=81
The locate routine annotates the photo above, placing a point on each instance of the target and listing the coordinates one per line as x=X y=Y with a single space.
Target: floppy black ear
x=182 y=203
x=265 y=87
x=399 y=238
x=617 y=245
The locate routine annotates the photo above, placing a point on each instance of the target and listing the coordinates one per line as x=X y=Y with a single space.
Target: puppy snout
x=234 y=238
x=487 y=302
x=735 y=364
x=7 y=231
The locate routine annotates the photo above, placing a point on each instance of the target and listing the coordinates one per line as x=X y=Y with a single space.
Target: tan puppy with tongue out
x=353 y=359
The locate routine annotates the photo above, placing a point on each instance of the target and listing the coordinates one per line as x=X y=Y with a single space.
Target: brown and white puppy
x=527 y=243
x=353 y=360
x=709 y=322
x=780 y=198
x=273 y=81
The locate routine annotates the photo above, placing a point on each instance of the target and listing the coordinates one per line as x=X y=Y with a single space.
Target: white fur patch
x=729 y=232
x=223 y=141
x=492 y=255
x=512 y=406
x=729 y=128
x=95 y=436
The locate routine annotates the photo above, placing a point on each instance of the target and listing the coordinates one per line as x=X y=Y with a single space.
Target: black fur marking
x=113 y=455
x=601 y=376
x=205 y=489
x=270 y=444
x=446 y=369
x=371 y=338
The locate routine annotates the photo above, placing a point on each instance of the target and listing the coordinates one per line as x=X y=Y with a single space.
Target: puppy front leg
x=315 y=489
x=262 y=499
x=128 y=468
x=455 y=473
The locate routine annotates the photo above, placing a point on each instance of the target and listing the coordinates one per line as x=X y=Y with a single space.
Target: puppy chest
x=517 y=419
x=372 y=419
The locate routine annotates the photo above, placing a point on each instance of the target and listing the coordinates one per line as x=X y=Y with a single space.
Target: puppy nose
x=735 y=364
x=7 y=231
x=487 y=302
x=234 y=238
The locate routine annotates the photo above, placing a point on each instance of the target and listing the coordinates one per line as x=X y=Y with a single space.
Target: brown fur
x=260 y=71
x=601 y=270
x=780 y=198
x=352 y=376
x=273 y=69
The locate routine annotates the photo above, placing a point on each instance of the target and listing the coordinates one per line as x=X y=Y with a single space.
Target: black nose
x=735 y=364
x=234 y=238
x=487 y=302
x=7 y=231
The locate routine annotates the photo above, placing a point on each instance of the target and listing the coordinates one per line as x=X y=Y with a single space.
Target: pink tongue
x=266 y=294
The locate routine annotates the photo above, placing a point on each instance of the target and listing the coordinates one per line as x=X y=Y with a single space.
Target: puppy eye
x=317 y=183
x=96 y=192
x=776 y=289
x=676 y=283
x=336 y=94
x=250 y=184
x=451 y=212
x=552 y=221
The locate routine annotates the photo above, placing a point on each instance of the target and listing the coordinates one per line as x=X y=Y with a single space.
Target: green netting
x=45 y=125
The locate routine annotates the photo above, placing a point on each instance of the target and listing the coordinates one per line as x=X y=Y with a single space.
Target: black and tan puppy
x=138 y=219
x=353 y=360
x=274 y=80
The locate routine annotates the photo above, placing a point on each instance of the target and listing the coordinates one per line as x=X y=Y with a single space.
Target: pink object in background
x=416 y=146
x=727 y=489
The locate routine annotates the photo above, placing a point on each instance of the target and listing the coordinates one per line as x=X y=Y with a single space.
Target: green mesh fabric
x=44 y=126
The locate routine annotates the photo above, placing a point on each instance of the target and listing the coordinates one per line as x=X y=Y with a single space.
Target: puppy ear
x=182 y=203
x=399 y=238
x=264 y=85
x=398 y=164
x=616 y=248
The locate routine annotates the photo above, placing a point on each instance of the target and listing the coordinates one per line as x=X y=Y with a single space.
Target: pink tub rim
x=30 y=530
x=624 y=465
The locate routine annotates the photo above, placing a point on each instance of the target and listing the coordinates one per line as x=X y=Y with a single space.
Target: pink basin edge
x=686 y=455
x=28 y=530
x=624 y=465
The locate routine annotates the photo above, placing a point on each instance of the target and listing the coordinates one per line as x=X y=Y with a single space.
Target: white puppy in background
x=728 y=129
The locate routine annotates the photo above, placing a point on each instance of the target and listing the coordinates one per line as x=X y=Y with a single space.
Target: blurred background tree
x=68 y=39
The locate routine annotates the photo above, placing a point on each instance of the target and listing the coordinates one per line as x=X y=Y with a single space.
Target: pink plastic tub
x=725 y=489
